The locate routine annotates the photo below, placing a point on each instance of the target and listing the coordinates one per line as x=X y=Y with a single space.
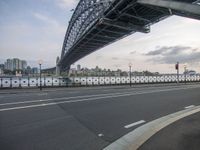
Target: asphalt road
x=84 y=118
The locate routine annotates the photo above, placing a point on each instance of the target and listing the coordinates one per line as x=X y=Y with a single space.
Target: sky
x=35 y=29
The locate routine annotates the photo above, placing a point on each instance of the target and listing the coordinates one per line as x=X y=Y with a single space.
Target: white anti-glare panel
x=55 y=81
x=107 y=80
x=95 y=80
x=112 y=79
x=118 y=80
x=166 y=79
x=158 y=79
x=102 y=80
x=15 y=82
x=141 y=79
x=162 y=79
x=24 y=82
x=89 y=81
x=150 y=79
x=32 y=82
x=42 y=81
x=6 y=82
x=83 y=81
x=77 y=80
x=146 y=79
x=154 y=79
x=137 y=79
x=133 y=79
x=63 y=81
x=123 y=80
x=48 y=82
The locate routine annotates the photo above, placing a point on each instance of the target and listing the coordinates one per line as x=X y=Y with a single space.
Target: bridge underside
x=123 y=18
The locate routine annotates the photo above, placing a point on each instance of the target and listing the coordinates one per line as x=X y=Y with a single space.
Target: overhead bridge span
x=97 y=23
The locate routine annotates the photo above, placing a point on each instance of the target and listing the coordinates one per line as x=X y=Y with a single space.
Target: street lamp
x=130 y=65
x=177 y=68
x=40 y=66
x=185 y=67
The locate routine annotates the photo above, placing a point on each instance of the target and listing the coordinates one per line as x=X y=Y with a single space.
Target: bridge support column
x=57 y=70
x=57 y=66
x=180 y=8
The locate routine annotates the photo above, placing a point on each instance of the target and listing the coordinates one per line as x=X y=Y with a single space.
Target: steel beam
x=125 y=26
x=136 y=17
x=190 y=10
x=97 y=40
x=107 y=31
x=104 y=36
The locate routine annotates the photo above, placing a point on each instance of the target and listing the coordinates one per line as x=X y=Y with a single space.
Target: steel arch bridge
x=97 y=23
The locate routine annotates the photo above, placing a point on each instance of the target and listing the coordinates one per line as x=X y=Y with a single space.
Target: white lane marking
x=100 y=135
x=42 y=94
x=88 y=96
x=189 y=106
x=73 y=92
x=61 y=98
x=87 y=99
x=62 y=102
x=134 y=124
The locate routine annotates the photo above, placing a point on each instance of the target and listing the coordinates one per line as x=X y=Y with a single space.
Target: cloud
x=168 y=50
x=172 y=54
x=66 y=3
x=45 y=19
x=41 y=40
x=50 y=26
x=133 y=52
x=115 y=58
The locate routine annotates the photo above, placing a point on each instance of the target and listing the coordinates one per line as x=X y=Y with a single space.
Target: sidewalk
x=181 y=135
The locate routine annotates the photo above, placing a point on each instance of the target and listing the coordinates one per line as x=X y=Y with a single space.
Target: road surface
x=85 y=118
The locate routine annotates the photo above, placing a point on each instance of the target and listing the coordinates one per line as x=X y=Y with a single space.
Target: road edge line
x=133 y=140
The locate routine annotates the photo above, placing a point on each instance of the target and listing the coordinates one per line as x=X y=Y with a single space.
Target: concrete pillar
x=57 y=70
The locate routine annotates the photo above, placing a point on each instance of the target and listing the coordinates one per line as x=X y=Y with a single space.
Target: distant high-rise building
x=20 y=65
x=5 y=65
x=1 y=71
x=34 y=70
x=9 y=64
x=24 y=64
x=2 y=66
x=15 y=64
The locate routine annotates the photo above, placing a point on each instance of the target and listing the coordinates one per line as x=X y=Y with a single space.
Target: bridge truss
x=97 y=23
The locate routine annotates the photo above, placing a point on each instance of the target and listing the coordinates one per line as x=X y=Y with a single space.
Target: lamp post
x=40 y=66
x=177 y=68
x=185 y=67
x=130 y=65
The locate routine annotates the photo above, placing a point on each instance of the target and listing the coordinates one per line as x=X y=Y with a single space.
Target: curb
x=134 y=139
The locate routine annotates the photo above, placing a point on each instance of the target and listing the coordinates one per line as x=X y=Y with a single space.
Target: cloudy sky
x=35 y=29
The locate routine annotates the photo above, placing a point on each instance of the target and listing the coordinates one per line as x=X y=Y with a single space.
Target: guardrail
x=24 y=82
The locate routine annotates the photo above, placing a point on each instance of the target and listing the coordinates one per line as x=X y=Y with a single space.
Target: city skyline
x=34 y=33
